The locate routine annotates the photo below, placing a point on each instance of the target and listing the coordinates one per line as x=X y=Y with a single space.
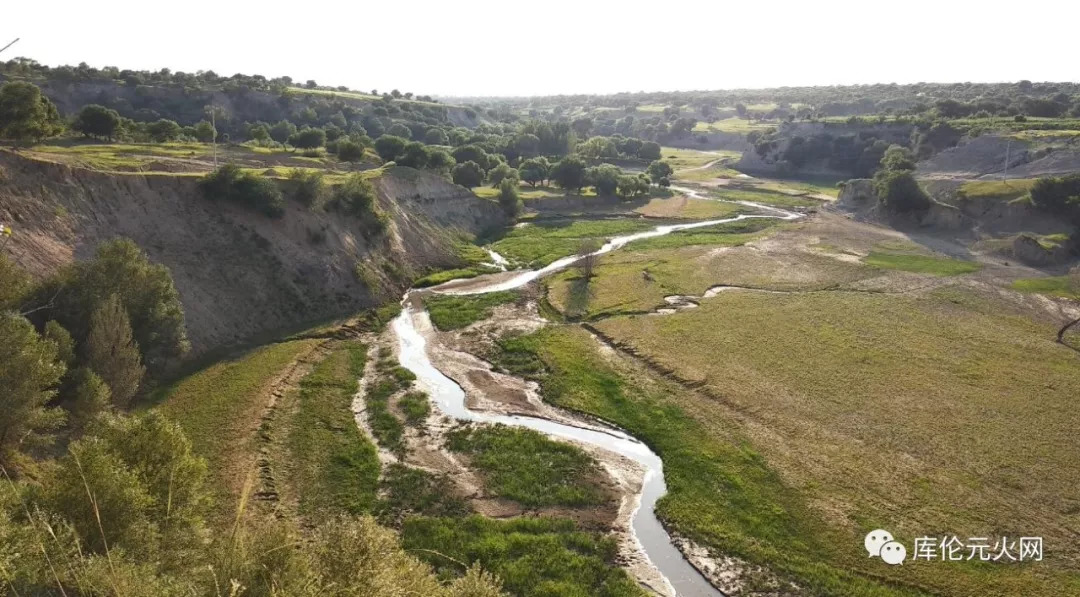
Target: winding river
x=413 y=327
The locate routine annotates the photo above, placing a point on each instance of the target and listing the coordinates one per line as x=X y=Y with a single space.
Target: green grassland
x=473 y=258
x=449 y=312
x=526 y=191
x=542 y=242
x=333 y=466
x=1063 y=286
x=525 y=466
x=877 y=411
x=995 y=189
x=219 y=408
x=355 y=95
x=921 y=264
x=732 y=125
x=682 y=159
x=763 y=196
x=534 y=557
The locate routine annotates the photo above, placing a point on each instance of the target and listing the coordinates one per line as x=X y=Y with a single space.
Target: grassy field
x=449 y=312
x=1063 y=286
x=525 y=466
x=538 y=192
x=333 y=466
x=474 y=260
x=680 y=207
x=761 y=195
x=732 y=125
x=534 y=557
x=219 y=409
x=682 y=159
x=876 y=411
x=921 y=264
x=995 y=189
x=540 y=243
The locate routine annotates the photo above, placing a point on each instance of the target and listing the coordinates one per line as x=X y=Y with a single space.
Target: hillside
x=239 y=273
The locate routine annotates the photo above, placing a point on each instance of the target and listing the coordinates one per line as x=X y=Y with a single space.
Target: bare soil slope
x=239 y=273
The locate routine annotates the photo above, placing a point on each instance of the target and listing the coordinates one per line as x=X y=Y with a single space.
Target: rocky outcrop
x=240 y=274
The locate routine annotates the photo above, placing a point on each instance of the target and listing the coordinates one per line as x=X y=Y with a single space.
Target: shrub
x=111 y=350
x=389 y=147
x=307 y=187
x=508 y=197
x=899 y=192
x=356 y=197
x=349 y=151
x=468 y=174
x=229 y=183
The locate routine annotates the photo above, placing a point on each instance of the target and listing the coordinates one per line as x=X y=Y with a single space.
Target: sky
x=508 y=48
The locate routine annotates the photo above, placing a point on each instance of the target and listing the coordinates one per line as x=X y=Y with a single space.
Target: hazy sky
x=480 y=47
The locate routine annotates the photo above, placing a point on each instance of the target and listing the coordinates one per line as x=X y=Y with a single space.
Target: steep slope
x=239 y=273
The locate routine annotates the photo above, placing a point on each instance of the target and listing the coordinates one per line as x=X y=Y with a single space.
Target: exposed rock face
x=858 y=198
x=1028 y=249
x=239 y=273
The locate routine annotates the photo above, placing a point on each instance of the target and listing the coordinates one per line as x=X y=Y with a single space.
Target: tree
x=502 y=172
x=357 y=197
x=582 y=126
x=898 y=158
x=14 y=285
x=112 y=352
x=632 y=186
x=598 y=147
x=899 y=192
x=26 y=115
x=230 y=183
x=259 y=132
x=89 y=397
x=534 y=171
x=400 y=130
x=29 y=372
x=468 y=174
x=473 y=153
x=569 y=173
x=650 y=150
x=605 y=178
x=205 y=132
x=508 y=197
x=350 y=151
x=145 y=289
x=97 y=121
x=435 y=136
x=308 y=138
x=659 y=170
x=586 y=261
x=163 y=130
x=414 y=155
x=389 y=147
x=281 y=131
x=439 y=160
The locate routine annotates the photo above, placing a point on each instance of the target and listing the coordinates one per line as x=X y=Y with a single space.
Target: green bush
x=356 y=197
x=307 y=187
x=230 y=183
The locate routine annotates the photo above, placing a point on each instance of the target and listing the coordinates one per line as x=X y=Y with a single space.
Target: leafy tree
x=89 y=397
x=281 y=131
x=435 y=136
x=350 y=151
x=582 y=126
x=605 y=178
x=526 y=145
x=898 y=158
x=97 y=121
x=659 y=170
x=899 y=192
x=145 y=289
x=307 y=187
x=308 y=138
x=259 y=132
x=14 y=284
x=29 y=370
x=650 y=150
x=534 y=171
x=508 y=197
x=26 y=115
x=65 y=344
x=502 y=172
x=473 y=153
x=389 y=147
x=598 y=147
x=205 y=132
x=439 y=160
x=468 y=174
x=163 y=130
x=414 y=155
x=632 y=186
x=569 y=173
x=399 y=130
x=111 y=351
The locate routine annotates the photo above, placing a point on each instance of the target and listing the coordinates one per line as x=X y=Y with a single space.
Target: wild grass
x=763 y=196
x=921 y=264
x=534 y=557
x=543 y=242
x=449 y=312
x=333 y=467
x=877 y=411
x=416 y=406
x=703 y=174
x=730 y=234
x=732 y=125
x=473 y=258
x=681 y=159
x=219 y=407
x=525 y=466
x=1063 y=286
x=995 y=189
x=389 y=379
x=408 y=491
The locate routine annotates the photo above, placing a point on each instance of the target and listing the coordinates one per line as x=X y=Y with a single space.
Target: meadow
x=541 y=242
x=449 y=312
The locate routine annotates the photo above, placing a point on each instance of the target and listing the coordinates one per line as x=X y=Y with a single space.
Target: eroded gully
x=414 y=331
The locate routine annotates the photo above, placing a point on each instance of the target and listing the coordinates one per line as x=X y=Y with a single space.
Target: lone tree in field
x=111 y=350
x=97 y=121
x=26 y=115
x=587 y=257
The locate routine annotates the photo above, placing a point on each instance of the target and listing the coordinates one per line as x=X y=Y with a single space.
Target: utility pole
x=213 y=138
x=9 y=45
x=1005 y=172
